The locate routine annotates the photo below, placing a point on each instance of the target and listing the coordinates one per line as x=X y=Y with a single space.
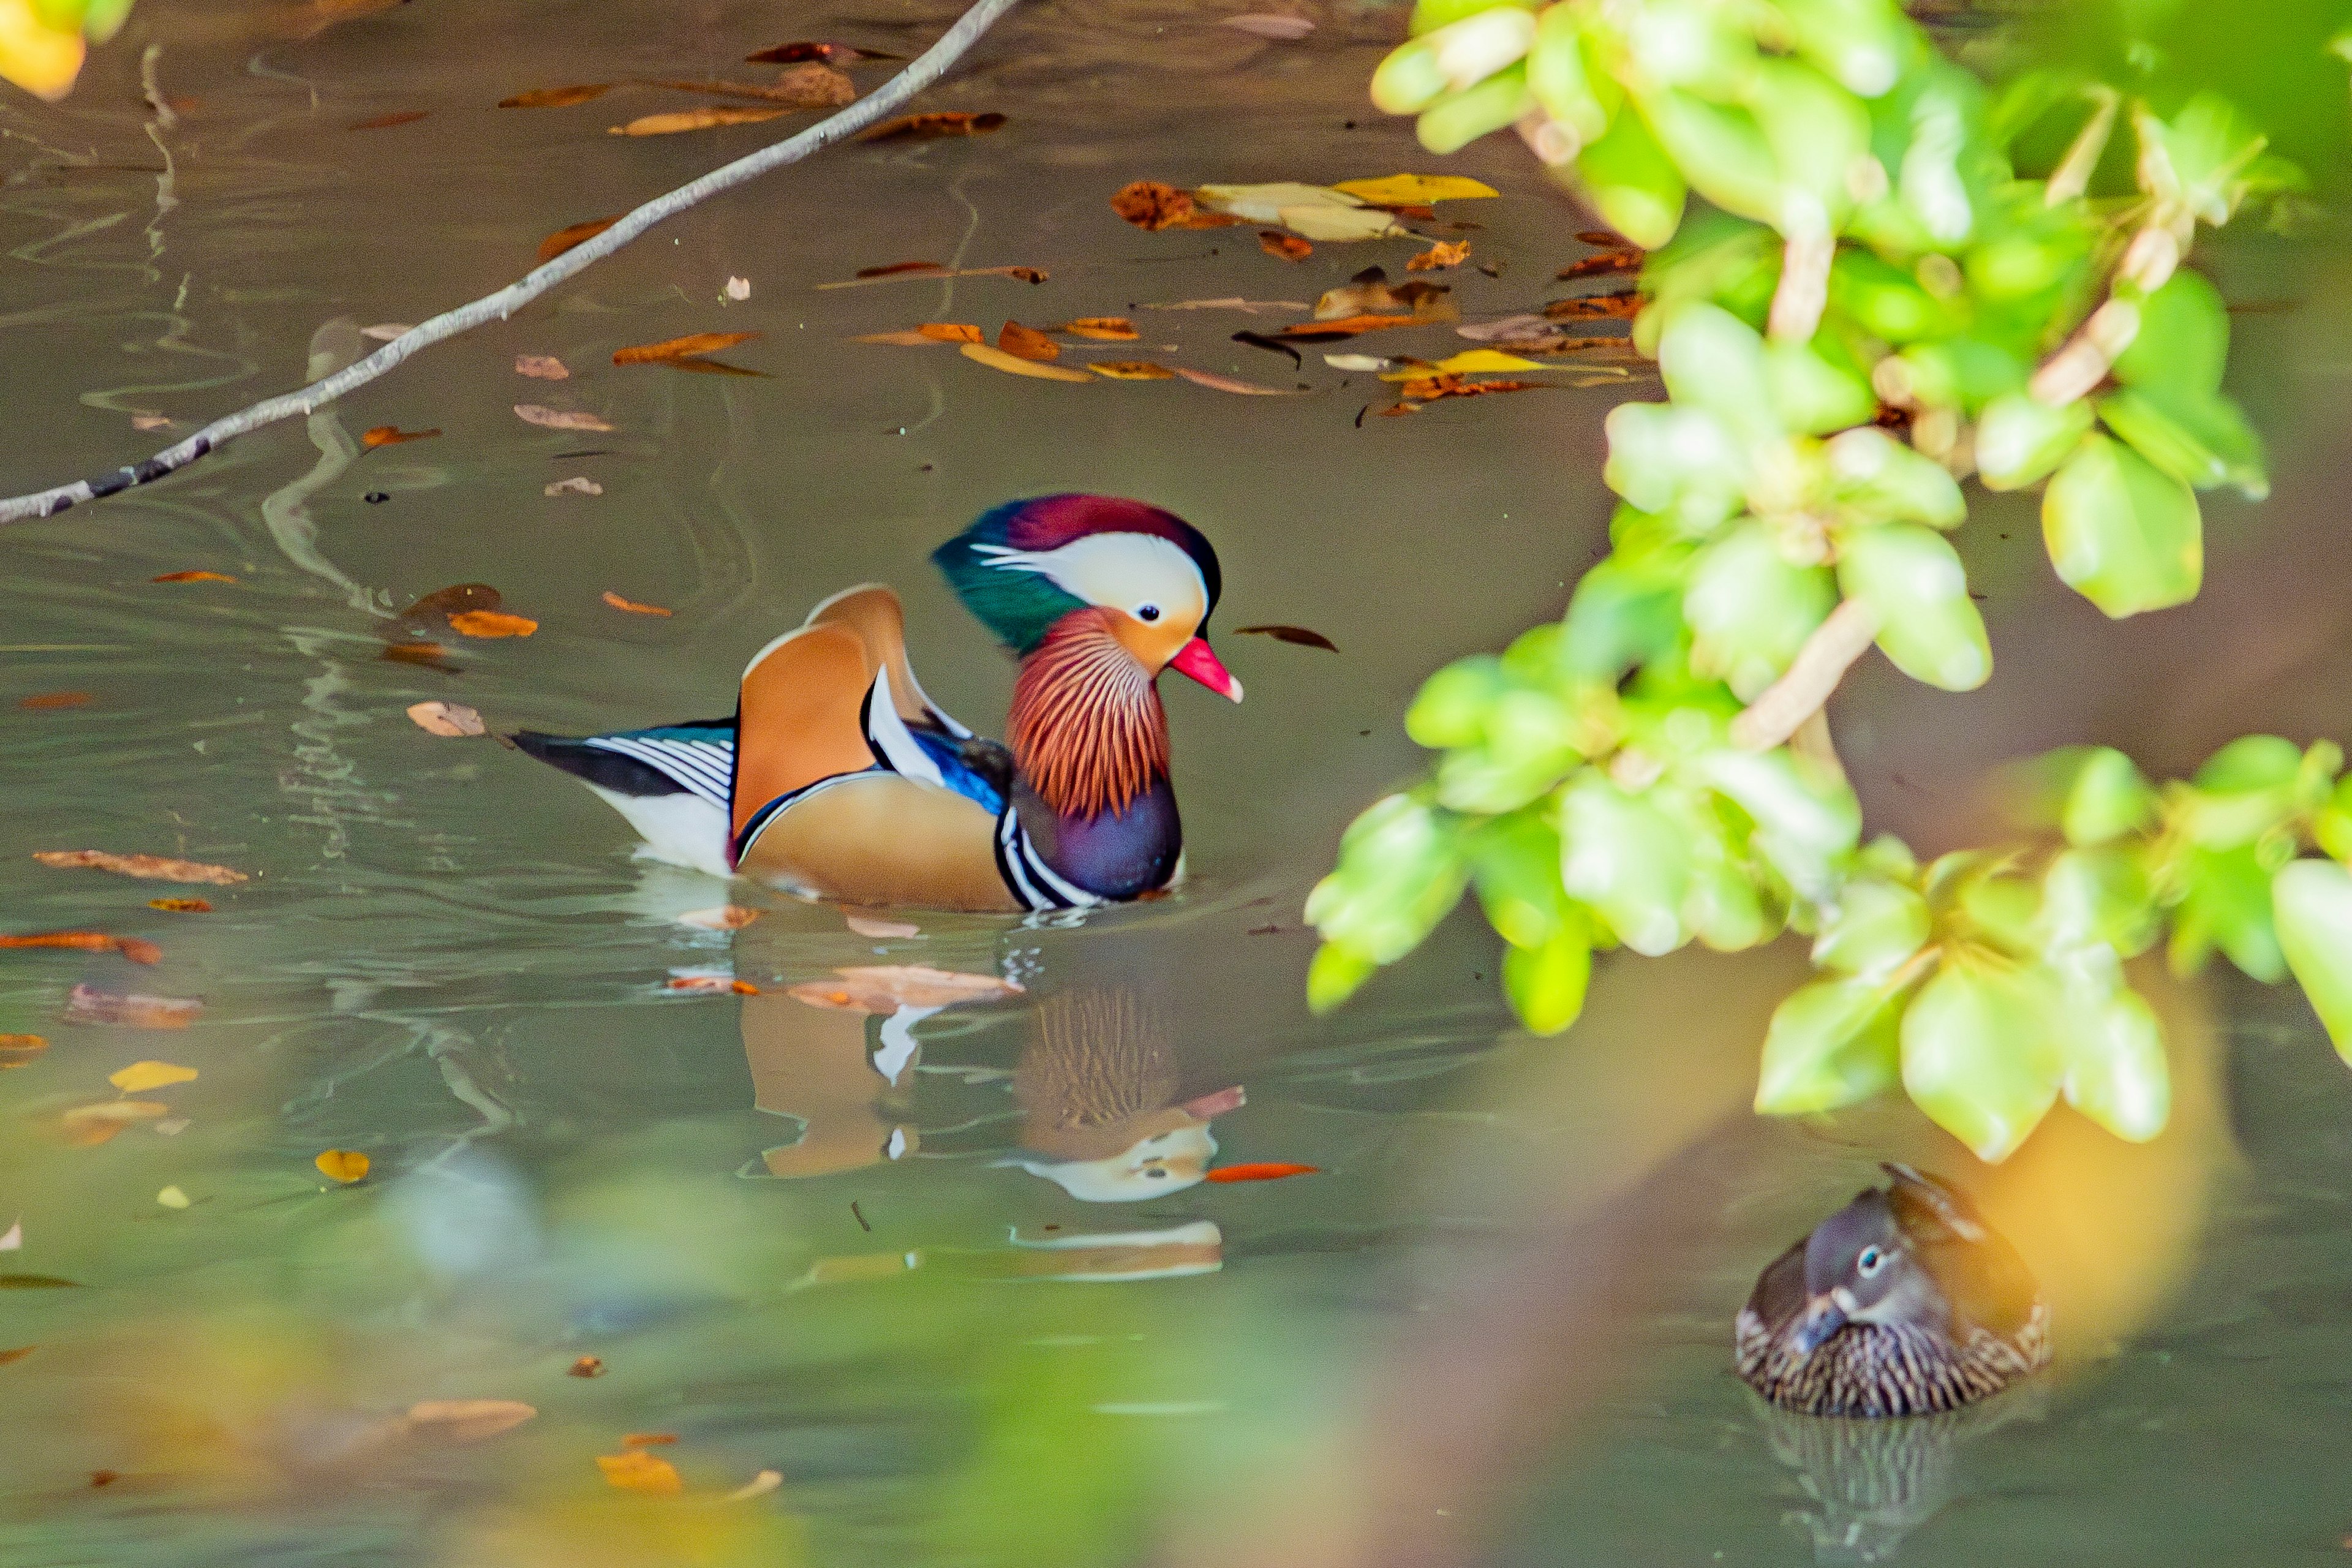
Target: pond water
x=911 y=1264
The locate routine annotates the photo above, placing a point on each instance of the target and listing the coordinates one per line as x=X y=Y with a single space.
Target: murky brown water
x=880 y=1258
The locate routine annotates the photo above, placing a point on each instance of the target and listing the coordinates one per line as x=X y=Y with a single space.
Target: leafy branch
x=1872 y=307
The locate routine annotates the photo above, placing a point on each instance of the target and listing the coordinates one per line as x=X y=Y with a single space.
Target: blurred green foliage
x=1875 y=272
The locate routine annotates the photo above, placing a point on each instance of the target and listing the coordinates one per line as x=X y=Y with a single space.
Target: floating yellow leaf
x=1415 y=190
x=35 y=55
x=997 y=359
x=638 y=1472
x=1265 y=203
x=182 y=906
x=1132 y=370
x=344 y=1166
x=1469 y=362
x=172 y=1198
x=1439 y=256
x=141 y=1076
x=88 y=1125
x=693 y=119
x=1339 y=225
x=1106 y=329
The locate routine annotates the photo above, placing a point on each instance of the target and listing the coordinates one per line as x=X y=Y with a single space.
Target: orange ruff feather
x=1088 y=729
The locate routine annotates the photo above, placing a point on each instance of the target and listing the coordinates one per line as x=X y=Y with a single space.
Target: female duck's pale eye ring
x=1147 y=613
x=1870 y=1261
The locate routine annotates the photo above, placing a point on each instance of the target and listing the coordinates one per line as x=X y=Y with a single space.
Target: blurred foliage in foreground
x=41 y=46
x=1875 y=302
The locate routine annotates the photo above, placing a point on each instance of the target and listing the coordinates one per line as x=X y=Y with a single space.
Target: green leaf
x=1979 y=1055
x=2096 y=898
x=1335 y=974
x=1516 y=862
x=2108 y=798
x=2227 y=904
x=1750 y=609
x=1860 y=43
x=1428 y=15
x=1547 y=983
x=1632 y=184
x=2183 y=340
x=1683 y=462
x=1806 y=818
x=2313 y=904
x=1558 y=77
x=1872 y=930
x=1626 y=858
x=1913 y=581
x=2200 y=439
x=2206 y=150
x=1812 y=395
x=1451 y=710
x=1887 y=482
x=2020 y=438
x=2122 y=534
x=1721 y=151
x=2115 y=1070
x=1711 y=358
x=1815 y=129
x=1401 y=871
x=1622 y=613
x=1885 y=300
x=1458 y=118
x=2251 y=763
x=1831 y=1044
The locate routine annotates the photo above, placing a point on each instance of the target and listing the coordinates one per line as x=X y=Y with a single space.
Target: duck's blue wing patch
x=955 y=773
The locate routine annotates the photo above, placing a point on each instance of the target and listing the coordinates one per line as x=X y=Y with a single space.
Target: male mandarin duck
x=1904 y=1302
x=838 y=778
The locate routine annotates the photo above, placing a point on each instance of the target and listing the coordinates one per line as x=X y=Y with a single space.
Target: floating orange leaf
x=556 y=97
x=430 y=653
x=635 y=1470
x=141 y=1076
x=997 y=359
x=130 y=947
x=198 y=576
x=1610 y=260
x=21 y=1351
x=157 y=867
x=687 y=347
x=344 y=1166
x=1439 y=256
x=586 y=1366
x=698 y=982
x=468 y=1420
x=1343 y=327
x=924 y=127
x=547 y=418
x=89 y=1005
x=1624 y=303
x=392 y=436
x=87 y=1126
x=702 y=118
x=1299 y=635
x=387 y=121
x=646 y=1439
x=743 y=988
x=886 y=987
x=1147 y=204
x=1104 y=328
x=454 y=720
x=493 y=624
x=44 y=700
x=563 y=240
x=182 y=906
x=950 y=331
x=1266 y=1172
x=1131 y=370
x=1288 y=247
x=1411 y=394
x=18 y=1050
x=631 y=605
x=543 y=367
x=1028 y=342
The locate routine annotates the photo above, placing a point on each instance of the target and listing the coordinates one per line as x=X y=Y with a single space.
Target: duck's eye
x=1147 y=613
x=1869 y=1262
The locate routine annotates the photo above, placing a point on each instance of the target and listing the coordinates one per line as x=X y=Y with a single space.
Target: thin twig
x=2072 y=177
x=920 y=73
x=1815 y=672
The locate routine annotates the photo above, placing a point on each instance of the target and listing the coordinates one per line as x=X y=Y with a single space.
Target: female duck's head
x=1143 y=577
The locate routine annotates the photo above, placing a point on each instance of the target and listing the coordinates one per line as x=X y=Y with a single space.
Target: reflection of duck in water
x=846 y=1075
x=1903 y=1302
x=1097 y=1086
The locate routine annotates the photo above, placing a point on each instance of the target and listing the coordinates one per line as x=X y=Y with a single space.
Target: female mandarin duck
x=839 y=779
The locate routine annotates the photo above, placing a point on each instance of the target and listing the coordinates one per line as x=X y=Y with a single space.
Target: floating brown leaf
x=832 y=54
x=468 y=1420
x=344 y=1166
x=1614 y=260
x=1149 y=204
x=1131 y=370
x=907 y=339
x=443 y=603
x=1028 y=342
x=894 y=268
x=1411 y=394
x=1625 y=303
x=811 y=86
x=392 y=436
x=454 y=720
x=89 y=1005
x=158 y=868
x=634 y=1470
x=543 y=367
x=21 y=1351
x=1103 y=328
x=493 y=624
x=648 y=1439
x=44 y=1282
x=997 y=359
x=702 y=118
x=558 y=418
x=950 y=332
x=130 y=947
x=18 y=1050
x=563 y=240
x=886 y=987
x=1269 y=25
x=586 y=1366
x=556 y=97
x=87 y=1126
x=141 y=1076
x=1343 y=327
x=1288 y=247
x=1369 y=292
x=1607 y=238
x=194 y=577
x=43 y=701
x=1299 y=635
x=430 y=653
x=904 y=270
x=631 y=605
x=1439 y=256
x=1228 y=384
x=387 y=121
x=926 y=127
x=687 y=347
x=182 y=906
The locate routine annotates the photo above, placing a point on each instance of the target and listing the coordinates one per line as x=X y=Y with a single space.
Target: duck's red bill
x=1196 y=659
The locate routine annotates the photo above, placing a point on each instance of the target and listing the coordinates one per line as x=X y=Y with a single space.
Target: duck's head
x=1861 y=1266
x=1026 y=566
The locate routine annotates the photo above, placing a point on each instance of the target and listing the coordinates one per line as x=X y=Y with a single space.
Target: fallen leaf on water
x=543 y=367
x=1299 y=635
x=1131 y=370
x=739 y=288
x=997 y=359
x=182 y=906
x=886 y=987
x=87 y=1126
x=1265 y=202
x=1288 y=247
x=586 y=1366
x=171 y=1126
x=1248 y=307
x=384 y=332
x=631 y=605
x=1469 y=362
x=809 y=86
x=1415 y=190
x=1624 y=302
x=1149 y=204
x=930 y=332
x=1343 y=327
x=906 y=270
x=577 y=485
x=104 y=1478
x=1267 y=25
x=833 y=54
x=15 y=1239
x=558 y=418
x=1028 y=342
x=172 y=1198
x=150 y=422
x=1339 y=224
x=430 y=653
x=924 y=127
x=1440 y=254
x=1414 y=393
x=1615 y=260
x=556 y=97
x=468 y=1420
x=21 y=1351
x=687 y=347
x=42 y=701
x=141 y=1076
x=648 y=1439
x=130 y=947
x=563 y=240
x=1369 y=292
x=37 y=1282
x=392 y=436
x=157 y=867
x=760 y=1485
x=344 y=1166
x=638 y=1472
x=725 y=917
x=193 y=577
x=1356 y=362
x=702 y=118
x=454 y=720
x=387 y=121
x=18 y=1050
x=1269 y=1171
x=743 y=988
x=493 y=624
x=444 y=602
x=1228 y=384
x=88 y=1005
x=876 y=927
x=698 y=983
x=893 y=269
